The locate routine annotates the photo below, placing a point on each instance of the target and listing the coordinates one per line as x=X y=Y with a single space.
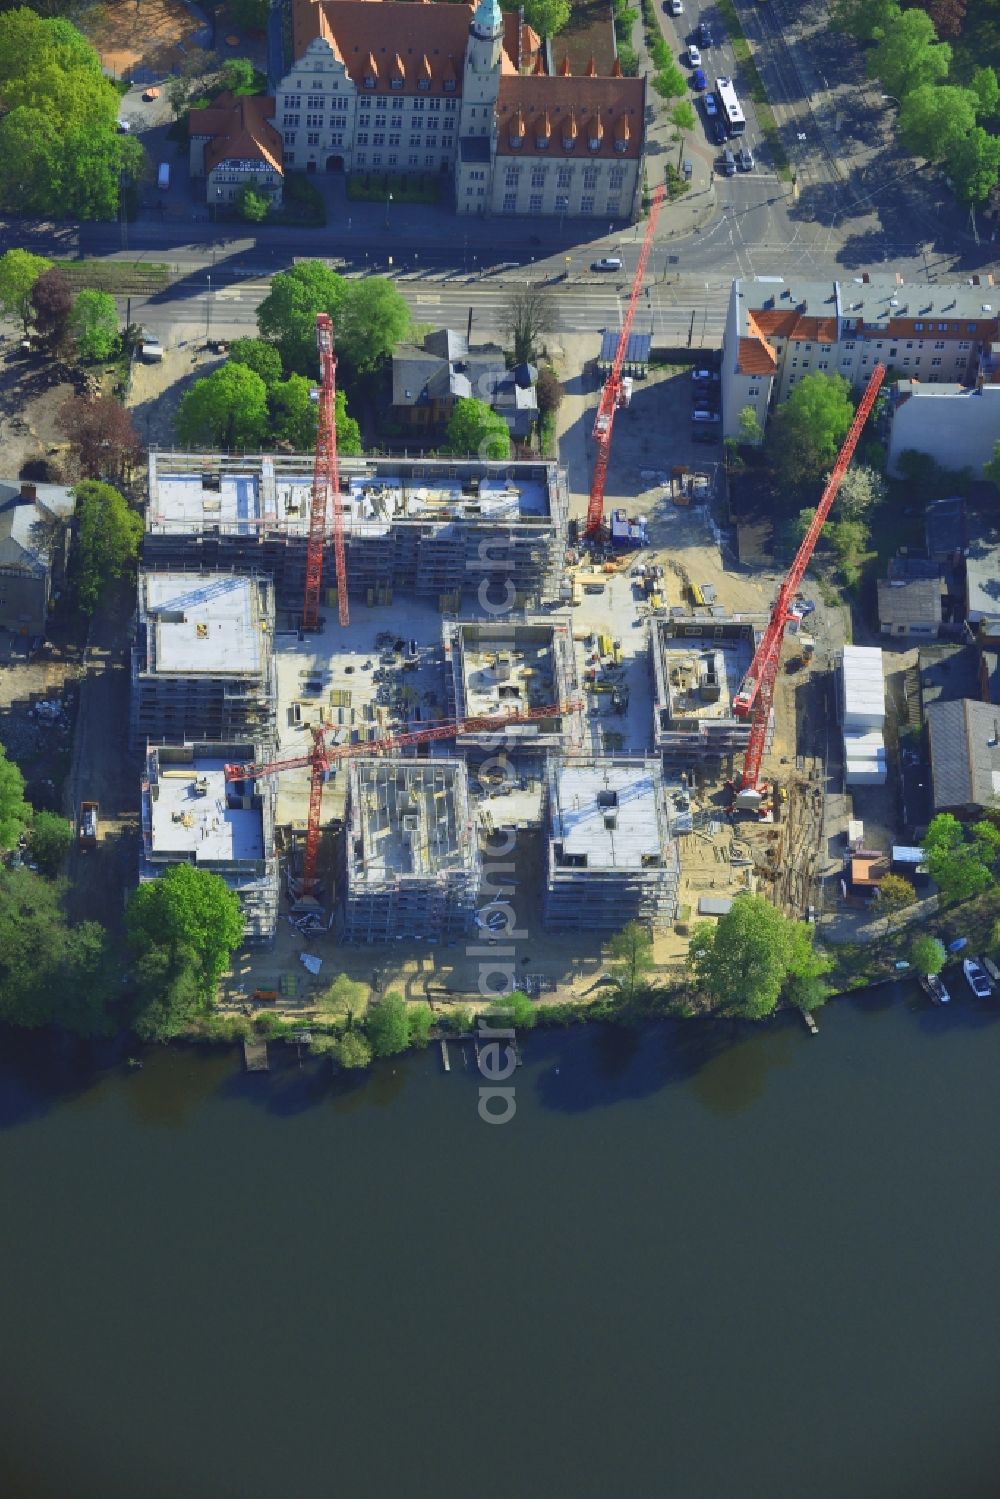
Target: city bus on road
x=729 y=106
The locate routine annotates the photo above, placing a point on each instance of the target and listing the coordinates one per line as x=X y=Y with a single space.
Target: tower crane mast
x=325 y=486
x=322 y=757
x=611 y=395
x=756 y=694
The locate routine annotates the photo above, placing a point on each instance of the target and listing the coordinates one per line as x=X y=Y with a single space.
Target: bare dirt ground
x=157 y=390
x=139 y=33
x=31 y=394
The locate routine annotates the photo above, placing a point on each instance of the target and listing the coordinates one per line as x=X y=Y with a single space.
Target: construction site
x=464 y=709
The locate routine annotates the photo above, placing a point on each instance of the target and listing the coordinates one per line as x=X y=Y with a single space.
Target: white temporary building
x=862 y=716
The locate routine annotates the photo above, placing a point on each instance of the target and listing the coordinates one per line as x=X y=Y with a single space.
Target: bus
x=729 y=106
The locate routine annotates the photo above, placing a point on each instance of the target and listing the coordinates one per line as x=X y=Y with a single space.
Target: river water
x=697 y=1263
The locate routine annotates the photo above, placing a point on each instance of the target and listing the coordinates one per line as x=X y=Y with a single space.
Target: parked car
x=704 y=34
x=711 y=108
x=675 y=7
x=694 y=56
x=607 y=263
x=745 y=159
x=705 y=377
x=698 y=81
x=807 y=606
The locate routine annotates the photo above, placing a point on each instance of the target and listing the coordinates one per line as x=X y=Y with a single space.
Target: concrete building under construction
x=436 y=528
x=500 y=667
x=191 y=815
x=611 y=855
x=203 y=659
x=697 y=666
x=411 y=851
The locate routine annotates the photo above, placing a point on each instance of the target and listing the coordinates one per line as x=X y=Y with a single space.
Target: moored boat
x=932 y=986
x=977 y=978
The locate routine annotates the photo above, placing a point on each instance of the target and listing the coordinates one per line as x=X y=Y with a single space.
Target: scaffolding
x=202 y=663
x=611 y=856
x=697 y=664
x=511 y=665
x=411 y=852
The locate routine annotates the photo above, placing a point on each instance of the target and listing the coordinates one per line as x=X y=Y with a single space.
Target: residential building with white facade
x=462 y=91
x=777 y=331
x=233 y=145
x=957 y=427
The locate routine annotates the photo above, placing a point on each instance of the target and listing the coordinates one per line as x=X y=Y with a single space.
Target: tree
x=670 y=82
x=292 y=413
x=631 y=959
x=108 y=538
x=513 y=1011
x=683 y=118
x=419 y=1019
x=287 y=315
x=102 y=435
x=475 y=428
x=249 y=13
x=751 y=431
x=959 y=865
x=984 y=85
x=259 y=356
x=934 y=116
x=526 y=318
x=806 y=992
x=974 y=165
x=182 y=929
x=252 y=206
x=991 y=470
x=19 y=270
x=864 y=19
x=849 y=540
x=15 y=814
x=808 y=429
x=862 y=490
x=894 y=894
x=51 y=305
x=547 y=16
x=548 y=391
x=226 y=409
x=745 y=959
x=348 y=431
x=345 y=1001
x=351 y=1051
x=927 y=954
x=238 y=75
x=373 y=320
x=947 y=15
x=51 y=973
x=50 y=840
x=907 y=54
x=94 y=324
x=387 y=1027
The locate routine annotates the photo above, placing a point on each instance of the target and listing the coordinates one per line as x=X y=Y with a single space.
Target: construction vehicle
x=613 y=395
x=755 y=697
x=325 y=487
x=86 y=826
x=322 y=760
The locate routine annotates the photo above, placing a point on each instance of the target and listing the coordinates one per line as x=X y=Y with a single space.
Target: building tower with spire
x=481 y=78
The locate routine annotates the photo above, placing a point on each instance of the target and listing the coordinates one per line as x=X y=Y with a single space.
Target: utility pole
x=208 y=310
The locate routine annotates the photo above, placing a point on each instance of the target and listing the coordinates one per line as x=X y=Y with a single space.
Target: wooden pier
x=255 y=1055
x=811 y=1025
x=445 y=1058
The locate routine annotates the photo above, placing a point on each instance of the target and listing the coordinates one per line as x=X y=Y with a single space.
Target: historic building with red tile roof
x=463 y=91
x=233 y=145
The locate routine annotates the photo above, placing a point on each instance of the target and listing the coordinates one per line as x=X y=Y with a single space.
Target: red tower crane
x=325 y=486
x=756 y=693
x=611 y=395
x=322 y=757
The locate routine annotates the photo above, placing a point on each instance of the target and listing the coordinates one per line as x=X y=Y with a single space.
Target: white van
x=163 y=176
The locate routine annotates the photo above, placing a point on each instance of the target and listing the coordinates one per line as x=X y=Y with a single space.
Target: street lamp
x=388 y=200
x=208 y=310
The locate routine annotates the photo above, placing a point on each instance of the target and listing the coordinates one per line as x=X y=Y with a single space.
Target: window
x=965 y=344
x=846 y=362
x=364 y=119
x=511 y=176
x=935 y=363
x=849 y=348
x=432 y=125
x=564 y=178
x=878 y=346
x=616 y=177
x=430 y=161
x=418 y=104
x=449 y=85
x=510 y=202
x=369 y=81
x=961 y=362
x=590 y=177
x=317 y=83
x=535 y=203
x=314 y=122
x=423 y=83
x=435 y=104
x=312 y=139
x=450 y=105
x=822 y=364
x=378 y=139
x=825 y=348
x=562 y=202
x=337 y=139
x=942 y=327
x=918 y=327
x=360 y=158
x=909 y=346
x=905 y=359
x=396 y=104
x=393 y=158
x=413 y=160
x=313 y=102
x=394 y=140
x=612 y=207
x=362 y=138
x=380 y=116
x=292 y=120
x=448 y=140
x=538 y=176
x=587 y=203
x=939 y=345
x=289 y=137
x=795 y=364
x=753 y=390
x=376 y=158
x=396 y=83
x=970 y=327
x=414 y=140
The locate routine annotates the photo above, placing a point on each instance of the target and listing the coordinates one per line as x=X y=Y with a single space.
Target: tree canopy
x=104 y=440
x=51 y=305
x=514 y=1011
x=60 y=151
x=108 y=538
x=927 y=954
x=526 y=318
x=50 y=840
x=908 y=54
x=94 y=324
x=806 y=432
x=864 y=19
x=374 y=318
x=631 y=960
x=387 y=1027
x=19 y=271
x=352 y=1051
x=475 y=428
x=933 y=117
x=15 y=814
x=52 y=973
x=992 y=469
x=287 y=315
x=547 y=16
x=960 y=858
x=745 y=959
x=258 y=355
x=182 y=930
x=226 y=409
x=974 y=165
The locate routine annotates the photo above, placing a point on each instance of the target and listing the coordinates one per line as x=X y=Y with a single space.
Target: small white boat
x=977 y=978
x=992 y=970
x=932 y=986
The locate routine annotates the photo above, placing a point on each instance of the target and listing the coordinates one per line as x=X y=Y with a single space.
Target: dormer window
x=424 y=84
x=619 y=146
x=516 y=142
x=542 y=142
x=449 y=85
x=397 y=83
x=594 y=144
x=370 y=81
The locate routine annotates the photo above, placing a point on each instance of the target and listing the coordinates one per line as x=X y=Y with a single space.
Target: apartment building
x=777 y=331
x=462 y=91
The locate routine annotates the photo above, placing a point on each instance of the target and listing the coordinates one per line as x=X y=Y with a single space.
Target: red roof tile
x=608 y=109
x=239 y=130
